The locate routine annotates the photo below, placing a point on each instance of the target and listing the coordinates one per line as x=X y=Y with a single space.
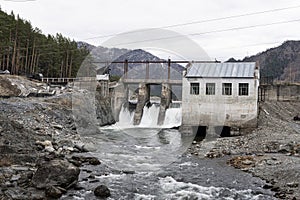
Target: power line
x=246 y=27
x=19 y=1
x=276 y=44
x=233 y=16
x=214 y=31
x=249 y=45
x=206 y=21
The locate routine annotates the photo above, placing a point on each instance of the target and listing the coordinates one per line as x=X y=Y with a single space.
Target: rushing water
x=150 y=116
x=150 y=163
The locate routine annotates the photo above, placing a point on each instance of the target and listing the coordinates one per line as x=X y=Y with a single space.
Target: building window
x=210 y=88
x=243 y=89
x=227 y=89
x=195 y=88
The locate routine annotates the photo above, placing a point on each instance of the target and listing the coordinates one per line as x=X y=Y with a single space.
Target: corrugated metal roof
x=222 y=70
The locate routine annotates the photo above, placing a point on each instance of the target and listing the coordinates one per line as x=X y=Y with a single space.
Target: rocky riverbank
x=38 y=138
x=270 y=152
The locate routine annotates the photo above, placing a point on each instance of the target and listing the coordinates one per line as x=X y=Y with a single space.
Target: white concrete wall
x=218 y=109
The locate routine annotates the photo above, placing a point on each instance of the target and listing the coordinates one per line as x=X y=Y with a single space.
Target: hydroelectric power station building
x=213 y=94
x=220 y=94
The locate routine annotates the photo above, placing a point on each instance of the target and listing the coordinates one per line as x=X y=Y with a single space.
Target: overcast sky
x=83 y=20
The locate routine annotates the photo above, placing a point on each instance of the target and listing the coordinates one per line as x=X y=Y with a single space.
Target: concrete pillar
x=164 y=102
x=143 y=98
x=119 y=97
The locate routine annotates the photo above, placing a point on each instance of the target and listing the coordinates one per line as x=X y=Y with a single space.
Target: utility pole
x=169 y=69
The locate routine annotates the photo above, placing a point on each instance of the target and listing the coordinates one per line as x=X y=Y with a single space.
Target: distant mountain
x=107 y=54
x=101 y=53
x=136 y=70
x=281 y=63
x=102 y=58
x=85 y=45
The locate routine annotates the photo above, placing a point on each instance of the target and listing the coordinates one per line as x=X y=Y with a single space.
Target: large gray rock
x=53 y=192
x=102 y=191
x=104 y=112
x=56 y=173
x=91 y=110
x=7 y=89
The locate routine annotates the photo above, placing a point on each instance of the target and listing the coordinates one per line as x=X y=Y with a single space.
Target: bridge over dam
x=138 y=77
x=143 y=98
x=140 y=80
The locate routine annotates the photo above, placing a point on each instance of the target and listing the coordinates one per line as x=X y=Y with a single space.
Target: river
x=151 y=162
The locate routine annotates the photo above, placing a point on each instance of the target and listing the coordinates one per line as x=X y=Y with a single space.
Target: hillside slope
x=281 y=63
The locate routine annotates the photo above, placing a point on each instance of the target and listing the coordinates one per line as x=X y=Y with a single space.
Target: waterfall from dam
x=150 y=116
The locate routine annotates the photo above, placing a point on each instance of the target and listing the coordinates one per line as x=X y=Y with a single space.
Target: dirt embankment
x=270 y=152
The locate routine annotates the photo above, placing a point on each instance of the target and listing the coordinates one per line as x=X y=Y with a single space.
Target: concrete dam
x=140 y=80
x=142 y=100
x=213 y=94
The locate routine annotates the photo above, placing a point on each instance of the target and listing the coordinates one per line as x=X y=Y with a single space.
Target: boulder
x=56 y=173
x=297 y=118
x=293 y=184
x=45 y=143
x=7 y=88
x=53 y=192
x=285 y=148
x=90 y=160
x=57 y=126
x=93 y=161
x=102 y=191
x=247 y=162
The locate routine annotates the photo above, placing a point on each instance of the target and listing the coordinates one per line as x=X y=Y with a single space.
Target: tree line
x=24 y=50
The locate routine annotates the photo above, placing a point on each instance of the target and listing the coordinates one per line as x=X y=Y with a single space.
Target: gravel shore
x=270 y=152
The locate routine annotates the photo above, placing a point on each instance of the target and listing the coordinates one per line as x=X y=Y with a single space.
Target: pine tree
x=24 y=50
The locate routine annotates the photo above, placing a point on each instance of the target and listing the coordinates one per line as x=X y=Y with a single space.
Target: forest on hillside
x=280 y=63
x=24 y=50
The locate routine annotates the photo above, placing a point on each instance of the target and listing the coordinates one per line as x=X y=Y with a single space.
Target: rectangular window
x=195 y=88
x=243 y=89
x=227 y=89
x=210 y=88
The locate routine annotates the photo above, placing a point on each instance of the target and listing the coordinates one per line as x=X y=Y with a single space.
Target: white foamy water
x=140 y=149
x=144 y=197
x=173 y=189
x=150 y=117
x=125 y=118
x=148 y=145
x=173 y=117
